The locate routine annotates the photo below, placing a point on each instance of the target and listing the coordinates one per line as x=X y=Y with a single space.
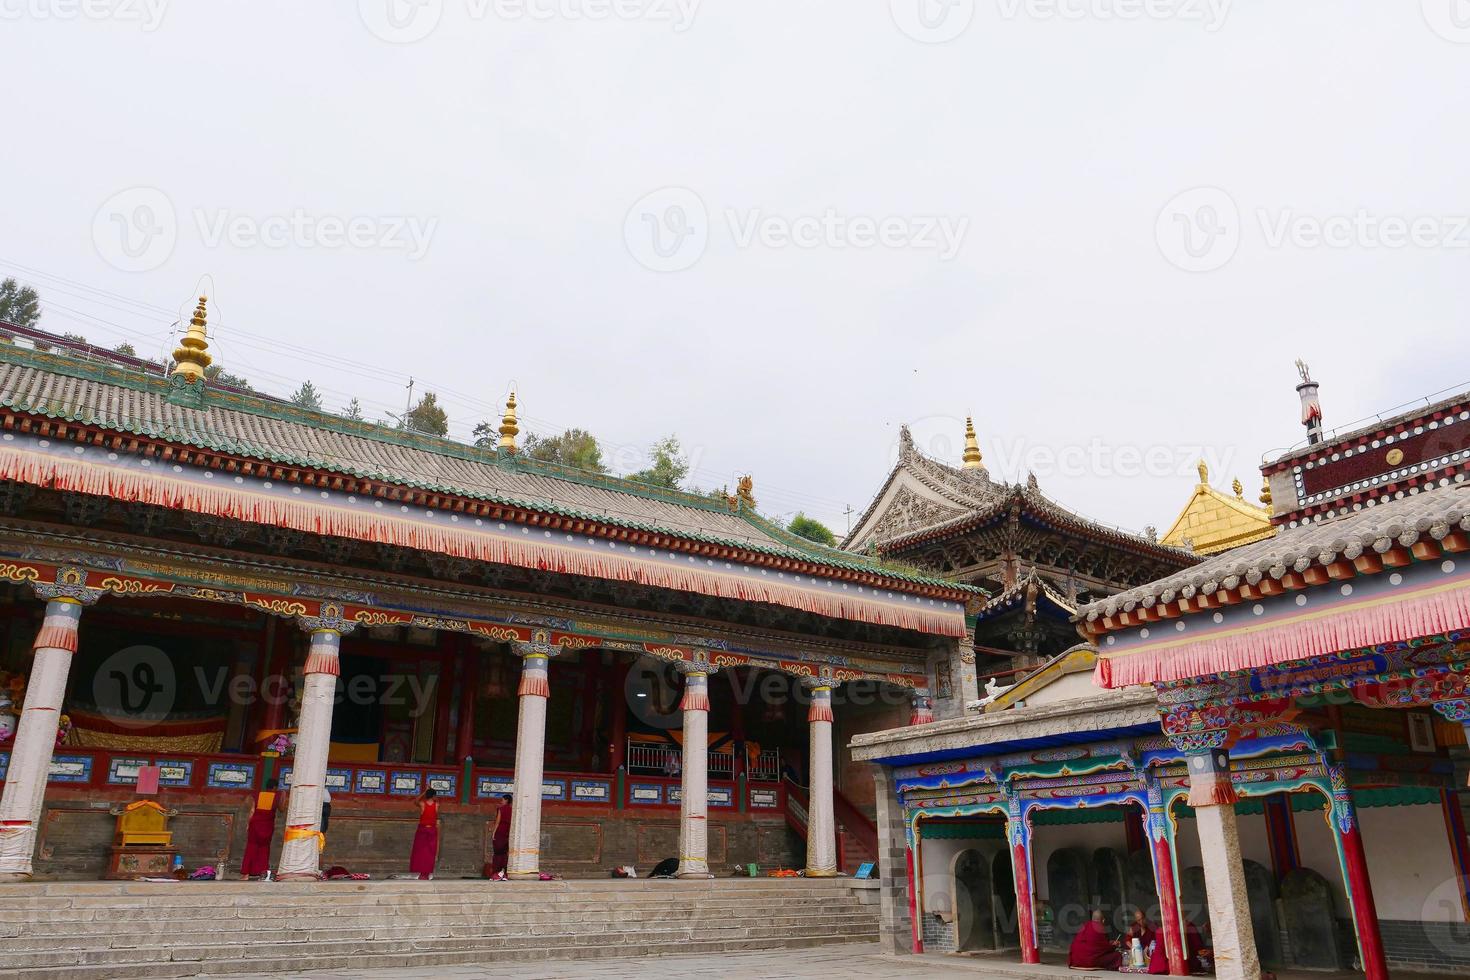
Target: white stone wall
x=1409 y=863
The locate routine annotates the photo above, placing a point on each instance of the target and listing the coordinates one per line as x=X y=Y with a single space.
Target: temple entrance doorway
x=1003 y=886
x=974 y=902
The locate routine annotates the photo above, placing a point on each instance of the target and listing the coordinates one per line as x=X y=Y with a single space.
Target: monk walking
x=426 y=839
x=258 y=834
x=500 y=840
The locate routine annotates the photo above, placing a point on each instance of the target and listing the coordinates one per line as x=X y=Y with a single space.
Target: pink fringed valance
x=241 y=503
x=1383 y=619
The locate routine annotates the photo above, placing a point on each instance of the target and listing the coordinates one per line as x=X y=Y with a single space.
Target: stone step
x=62 y=938
x=339 y=948
x=579 y=886
x=368 y=960
x=271 y=905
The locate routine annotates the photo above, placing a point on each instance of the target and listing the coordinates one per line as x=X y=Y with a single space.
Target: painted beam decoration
x=99 y=471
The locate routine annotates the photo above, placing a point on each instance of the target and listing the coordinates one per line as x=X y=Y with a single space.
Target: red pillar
x=618 y=698
x=1281 y=834
x=1156 y=830
x=469 y=683
x=1454 y=822
x=591 y=673
x=443 y=698
x=1355 y=864
x=1025 y=894
x=275 y=681
x=737 y=729
x=914 y=923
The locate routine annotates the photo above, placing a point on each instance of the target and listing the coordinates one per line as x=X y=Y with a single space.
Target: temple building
x=1264 y=752
x=1037 y=560
x=1213 y=521
x=221 y=589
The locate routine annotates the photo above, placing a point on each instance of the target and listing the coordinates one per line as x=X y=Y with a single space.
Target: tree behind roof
x=427 y=417
x=668 y=465
x=20 y=305
x=812 y=529
x=307 y=397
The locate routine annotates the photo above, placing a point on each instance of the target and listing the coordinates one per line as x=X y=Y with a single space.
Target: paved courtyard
x=861 y=960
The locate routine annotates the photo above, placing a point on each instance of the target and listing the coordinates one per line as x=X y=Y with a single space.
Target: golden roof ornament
x=745 y=493
x=1266 y=492
x=509 y=429
x=1204 y=474
x=972 y=447
x=1239 y=488
x=191 y=357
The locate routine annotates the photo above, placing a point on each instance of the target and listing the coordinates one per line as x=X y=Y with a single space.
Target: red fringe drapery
x=1382 y=619
x=534 y=683
x=54 y=637
x=241 y=504
x=695 y=699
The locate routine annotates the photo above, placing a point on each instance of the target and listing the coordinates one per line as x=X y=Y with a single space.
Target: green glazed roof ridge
x=284 y=411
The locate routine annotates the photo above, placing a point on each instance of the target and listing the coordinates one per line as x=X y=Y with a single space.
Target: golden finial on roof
x=972 y=447
x=1265 y=492
x=1239 y=488
x=190 y=357
x=508 y=427
x=1204 y=474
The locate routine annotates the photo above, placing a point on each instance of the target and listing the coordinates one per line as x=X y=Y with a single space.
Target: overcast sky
x=777 y=228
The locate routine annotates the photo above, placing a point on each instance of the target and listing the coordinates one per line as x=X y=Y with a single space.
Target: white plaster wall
x=1410 y=863
x=1255 y=844
x=939 y=858
x=1071 y=687
x=1319 y=852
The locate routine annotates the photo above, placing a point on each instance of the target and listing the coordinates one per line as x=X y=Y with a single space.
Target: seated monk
x=1092 y=949
x=1141 y=929
x=1158 y=964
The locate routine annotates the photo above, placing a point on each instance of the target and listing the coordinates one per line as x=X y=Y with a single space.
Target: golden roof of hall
x=1213 y=521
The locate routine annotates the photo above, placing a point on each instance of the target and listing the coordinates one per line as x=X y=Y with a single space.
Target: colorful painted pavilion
x=228 y=588
x=1267 y=745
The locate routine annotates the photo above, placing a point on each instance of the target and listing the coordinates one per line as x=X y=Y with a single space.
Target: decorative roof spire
x=509 y=429
x=1238 y=487
x=190 y=357
x=1311 y=405
x=972 y=447
x=1266 y=492
x=1204 y=474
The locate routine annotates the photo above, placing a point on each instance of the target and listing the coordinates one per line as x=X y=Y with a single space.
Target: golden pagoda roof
x=1214 y=521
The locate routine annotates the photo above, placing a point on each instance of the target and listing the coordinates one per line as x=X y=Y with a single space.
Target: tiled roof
x=1213 y=521
x=124 y=400
x=1379 y=528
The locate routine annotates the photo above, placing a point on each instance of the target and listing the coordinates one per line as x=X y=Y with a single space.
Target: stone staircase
x=91 y=931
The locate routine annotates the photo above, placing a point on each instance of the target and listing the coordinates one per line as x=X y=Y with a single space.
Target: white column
x=301 y=851
x=524 y=859
x=35 y=737
x=694 y=794
x=1212 y=795
x=821 y=825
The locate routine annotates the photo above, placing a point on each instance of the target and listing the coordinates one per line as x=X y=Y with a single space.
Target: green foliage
x=353 y=411
x=125 y=348
x=668 y=465
x=577 y=448
x=486 y=435
x=20 y=305
x=307 y=397
x=76 y=338
x=427 y=417
x=220 y=376
x=812 y=529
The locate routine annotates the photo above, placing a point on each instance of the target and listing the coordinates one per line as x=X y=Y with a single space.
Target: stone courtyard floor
x=863 y=961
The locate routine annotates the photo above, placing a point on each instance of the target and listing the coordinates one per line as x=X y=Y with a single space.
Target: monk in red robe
x=1093 y=949
x=259 y=832
x=425 y=853
x=1158 y=964
x=500 y=840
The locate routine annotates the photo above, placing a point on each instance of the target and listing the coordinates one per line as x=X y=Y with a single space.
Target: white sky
x=1054 y=133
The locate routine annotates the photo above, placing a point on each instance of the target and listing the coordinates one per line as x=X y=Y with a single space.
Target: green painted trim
x=740 y=792
x=622 y=803
x=1082 y=815
x=260 y=405
x=933 y=830
x=466 y=779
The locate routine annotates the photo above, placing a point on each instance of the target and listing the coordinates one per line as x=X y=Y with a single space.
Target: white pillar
x=694 y=794
x=524 y=859
x=301 y=851
x=1212 y=795
x=821 y=824
x=35 y=737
